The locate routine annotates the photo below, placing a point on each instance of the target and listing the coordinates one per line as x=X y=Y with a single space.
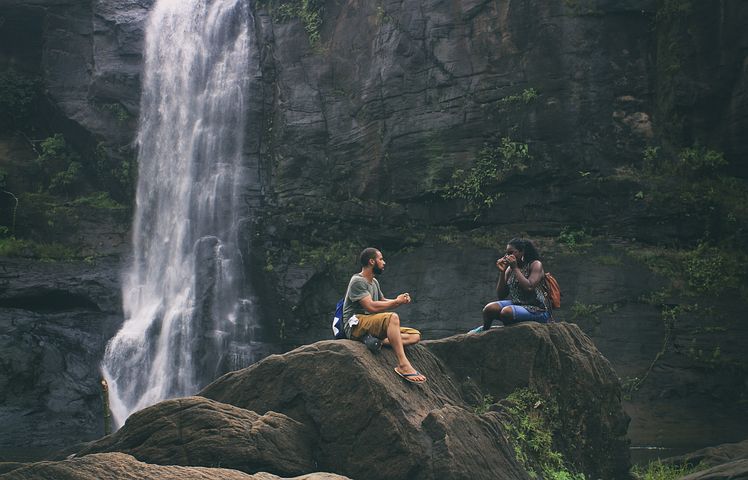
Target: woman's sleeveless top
x=534 y=300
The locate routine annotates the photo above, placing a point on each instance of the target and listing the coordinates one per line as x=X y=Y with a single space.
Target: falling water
x=184 y=318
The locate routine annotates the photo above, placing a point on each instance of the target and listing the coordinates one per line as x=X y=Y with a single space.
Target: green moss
x=658 y=470
x=309 y=12
x=531 y=422
x=18 y=92
x=584 y=310
x=485 y=405
x=13 y=247
x=117 y=110
x=526 y=97
x=479 y=185
x=98 y=200
x=574 y=240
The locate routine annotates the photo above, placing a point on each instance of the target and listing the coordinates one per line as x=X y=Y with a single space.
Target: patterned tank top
x=534 y=300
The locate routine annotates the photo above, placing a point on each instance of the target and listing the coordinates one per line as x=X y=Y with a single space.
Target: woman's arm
x=502 y=290
x=536 y=274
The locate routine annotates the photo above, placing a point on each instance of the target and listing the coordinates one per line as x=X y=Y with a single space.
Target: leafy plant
x=491 y=167
x=117 y=110
x=585 y=310
x=308 y=11
x=532 y=420
x=574 y=239
x=59 y=168
x=657 y=470
x=485 y=405
x=17 y=95
x=527 y=96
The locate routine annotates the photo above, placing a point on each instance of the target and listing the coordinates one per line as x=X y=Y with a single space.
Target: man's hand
x=403 y=298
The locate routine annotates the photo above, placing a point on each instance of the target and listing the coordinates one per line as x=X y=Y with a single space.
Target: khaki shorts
x=376 y=325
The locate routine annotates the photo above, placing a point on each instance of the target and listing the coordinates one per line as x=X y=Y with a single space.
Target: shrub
x=17 y=95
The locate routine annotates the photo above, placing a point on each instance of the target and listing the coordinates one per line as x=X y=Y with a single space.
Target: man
x=366 y=311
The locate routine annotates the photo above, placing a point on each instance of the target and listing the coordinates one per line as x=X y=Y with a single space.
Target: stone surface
x=194 y=431
x=735 y=470
x=352 y=138
x=54 y=324
x=371 y=424
x=119 y=466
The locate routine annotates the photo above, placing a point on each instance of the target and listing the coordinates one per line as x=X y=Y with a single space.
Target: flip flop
x=408 y=377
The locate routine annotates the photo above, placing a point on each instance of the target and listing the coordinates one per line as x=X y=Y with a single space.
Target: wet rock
x=194 y=431
x=54 y=324
x=372 y=424
x=119 y=466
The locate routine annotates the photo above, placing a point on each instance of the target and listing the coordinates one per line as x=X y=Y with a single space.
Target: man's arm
x=379 y=306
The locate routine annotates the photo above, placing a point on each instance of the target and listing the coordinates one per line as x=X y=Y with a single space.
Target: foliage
x=14 y=247
x=308 y=11
x=338 y=255
x=491 y=167
x=117 y=110
x=574 y=240
x=99 y=200
x=527 y=96
x=706 y=270
x=17 y=95
x=584 y=310
x=692 y=162
x=485 y=405
x=59 y=168
x=119 y=172
x=532 y=420
x=658 y=470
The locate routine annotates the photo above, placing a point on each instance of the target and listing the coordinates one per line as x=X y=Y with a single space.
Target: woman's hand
x=511 y=260
x=502 y=263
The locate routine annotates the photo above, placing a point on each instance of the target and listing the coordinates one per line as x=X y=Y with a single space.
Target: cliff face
x=437 y=131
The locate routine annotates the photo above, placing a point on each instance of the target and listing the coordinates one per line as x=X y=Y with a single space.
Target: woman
x=521 y=283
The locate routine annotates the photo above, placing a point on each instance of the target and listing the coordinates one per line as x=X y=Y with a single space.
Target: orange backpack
x=551 y=288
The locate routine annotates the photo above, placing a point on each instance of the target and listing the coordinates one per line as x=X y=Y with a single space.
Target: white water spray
x=181 y=295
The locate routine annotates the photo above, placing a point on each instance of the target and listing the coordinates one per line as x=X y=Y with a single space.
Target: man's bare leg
x=408 y=339
x=396 y=342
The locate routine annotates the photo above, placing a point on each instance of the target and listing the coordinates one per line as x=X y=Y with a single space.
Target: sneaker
x=476 y=330
x=372 y=343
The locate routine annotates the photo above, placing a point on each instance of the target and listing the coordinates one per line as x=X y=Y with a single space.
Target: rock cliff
x=436 y=131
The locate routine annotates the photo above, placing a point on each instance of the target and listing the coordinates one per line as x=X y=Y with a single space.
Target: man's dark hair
x=368 y=254
x=528 y=249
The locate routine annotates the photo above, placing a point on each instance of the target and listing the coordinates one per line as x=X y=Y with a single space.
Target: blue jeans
x=521 y=314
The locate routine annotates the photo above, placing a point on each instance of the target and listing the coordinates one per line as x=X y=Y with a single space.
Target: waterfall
x=185 y=320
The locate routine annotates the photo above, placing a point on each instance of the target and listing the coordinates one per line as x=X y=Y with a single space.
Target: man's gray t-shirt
x=358 y=288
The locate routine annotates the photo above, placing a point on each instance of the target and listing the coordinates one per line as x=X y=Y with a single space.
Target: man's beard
x=377 y=270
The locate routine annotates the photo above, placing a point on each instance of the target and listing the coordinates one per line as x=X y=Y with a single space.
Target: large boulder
x=119 y=466
x=370 y=424
x=195 y=431
x=728 y=461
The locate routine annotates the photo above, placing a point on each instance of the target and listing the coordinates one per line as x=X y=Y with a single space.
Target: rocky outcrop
x=335 y=406
x=728 y=461
x=199 y=432
x=119 y=466
x=369 y=423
